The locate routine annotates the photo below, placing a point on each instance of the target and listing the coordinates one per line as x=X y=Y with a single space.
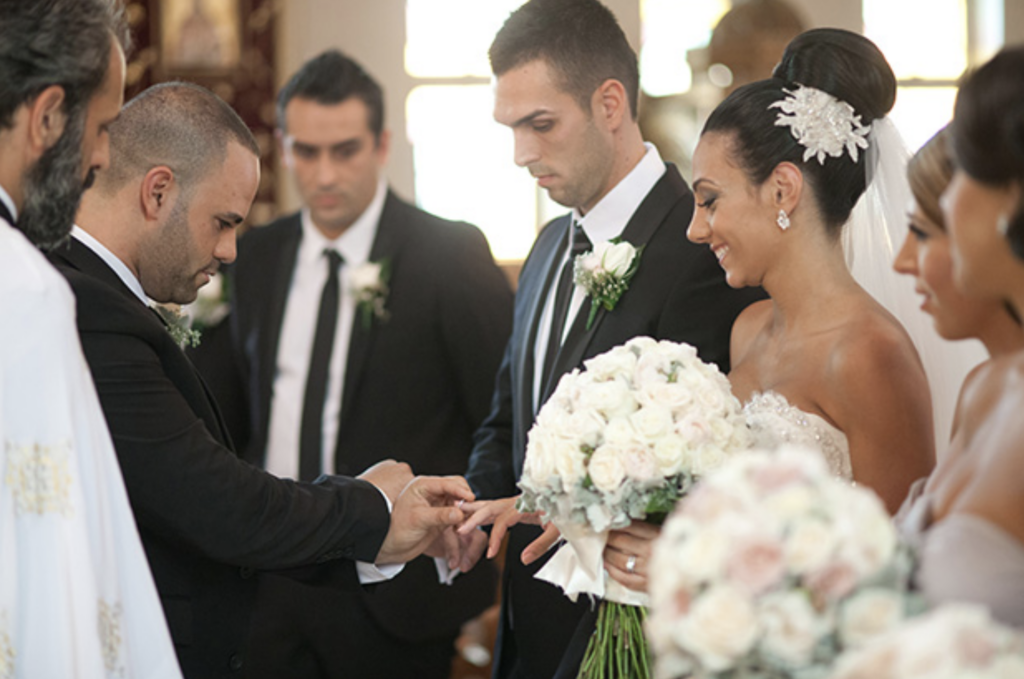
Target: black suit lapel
x=639 y=230
x=387 y=244
x=6 y=214
x=282 y=267
x=536 y=290
x=176 y=364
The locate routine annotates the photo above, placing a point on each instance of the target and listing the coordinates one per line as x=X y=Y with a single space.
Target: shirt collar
x=119 y=267
x=609 y=217
x=9 y=202
x=357 y=240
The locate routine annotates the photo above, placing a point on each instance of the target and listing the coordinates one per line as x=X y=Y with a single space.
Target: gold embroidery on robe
x=39 y=477
x=110 y=635
x=6 y=653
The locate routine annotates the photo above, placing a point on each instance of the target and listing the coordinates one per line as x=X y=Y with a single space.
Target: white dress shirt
x=295 y=346
x=605 y=221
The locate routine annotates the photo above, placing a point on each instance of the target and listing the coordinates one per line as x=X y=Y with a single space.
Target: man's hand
x=628 y=554
x=390 y=477
x=503 y=515
x=420 y=514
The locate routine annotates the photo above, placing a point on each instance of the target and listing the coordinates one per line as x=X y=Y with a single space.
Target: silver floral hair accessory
x=822 y=124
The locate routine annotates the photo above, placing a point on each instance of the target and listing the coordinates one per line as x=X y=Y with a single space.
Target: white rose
x=792 y=502
x=791 y=627
x=365 y=276
x=640 y=463
x=874 y=533
x=808 y=545
x=619 y=362
x=652 y=422
x=586 y=427
x=616 y=258
x=606 y=469
x=570 y=464
x=539 y=464
x=721 y=628
x=611 y=399
x=711 y=398
x=707 y=458
x=869 y=613
x=701 y=556
x=552 y=420
x=675 y=397
x=620 y=432
x=641 y=344
x=671 y=455
x=590 y=261
x=693 y=429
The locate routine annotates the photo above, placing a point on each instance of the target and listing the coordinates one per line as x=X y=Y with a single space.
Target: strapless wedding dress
x=964 y=558
x=774 y=422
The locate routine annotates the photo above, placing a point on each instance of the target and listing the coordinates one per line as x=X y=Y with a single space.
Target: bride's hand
x=502 y=514
x=627 y=554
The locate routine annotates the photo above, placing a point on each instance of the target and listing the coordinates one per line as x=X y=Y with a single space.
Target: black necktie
x=6 y=214
x=563 y=295
x=311 y=433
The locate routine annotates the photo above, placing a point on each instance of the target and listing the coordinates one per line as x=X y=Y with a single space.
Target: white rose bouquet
x=623 y=440
x=769 y=568
x=956 y=641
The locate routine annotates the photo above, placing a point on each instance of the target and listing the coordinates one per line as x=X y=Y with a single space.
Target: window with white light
x=463 y=160
x=929 y=64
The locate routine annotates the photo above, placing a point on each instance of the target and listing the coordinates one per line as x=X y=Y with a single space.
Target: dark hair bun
x=846 y=65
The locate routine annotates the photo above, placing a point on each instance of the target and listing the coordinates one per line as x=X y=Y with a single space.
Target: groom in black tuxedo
x=567 y=86
x=412 y=381
x=158 y=224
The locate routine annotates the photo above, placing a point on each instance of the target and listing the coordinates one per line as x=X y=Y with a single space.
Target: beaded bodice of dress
x=774 y=422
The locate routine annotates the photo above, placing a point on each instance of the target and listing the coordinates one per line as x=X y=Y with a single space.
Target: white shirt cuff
x=370 y=573
x=445 y=575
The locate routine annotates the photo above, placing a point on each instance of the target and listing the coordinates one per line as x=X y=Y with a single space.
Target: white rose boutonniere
x=605 y=273
x=179 y=325
x=369 y=285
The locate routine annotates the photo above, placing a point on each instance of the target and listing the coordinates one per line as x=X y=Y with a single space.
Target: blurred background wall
x=430 y=57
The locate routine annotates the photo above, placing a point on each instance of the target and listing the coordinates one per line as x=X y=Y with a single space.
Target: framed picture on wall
x=200 y=35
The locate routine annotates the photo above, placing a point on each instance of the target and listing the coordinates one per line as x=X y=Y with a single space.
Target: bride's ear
x=787 y=186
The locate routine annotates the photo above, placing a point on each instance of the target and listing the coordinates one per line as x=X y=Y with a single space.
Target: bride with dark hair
x=779 y=167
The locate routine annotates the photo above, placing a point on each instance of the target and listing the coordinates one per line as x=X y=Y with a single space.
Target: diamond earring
x=782 y=220
x=1003 y=224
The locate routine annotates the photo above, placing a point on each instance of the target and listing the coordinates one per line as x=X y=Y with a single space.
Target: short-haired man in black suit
x=410 y=371
x=158 y=225
x=566 y=84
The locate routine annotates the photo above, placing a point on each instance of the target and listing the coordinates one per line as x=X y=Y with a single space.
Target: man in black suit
x=567 y=86
x=410 y=370
x=159 y=222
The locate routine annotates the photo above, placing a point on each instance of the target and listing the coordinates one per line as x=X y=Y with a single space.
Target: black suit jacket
x=207 y=519
x=679 y=293
x=417 y=385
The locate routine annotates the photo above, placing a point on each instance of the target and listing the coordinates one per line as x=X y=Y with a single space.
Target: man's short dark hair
x=56 y=42
x=580 y=40
x=181 y=125
x=331 y=78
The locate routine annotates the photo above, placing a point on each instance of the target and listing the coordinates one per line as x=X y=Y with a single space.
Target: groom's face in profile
x=564 y=147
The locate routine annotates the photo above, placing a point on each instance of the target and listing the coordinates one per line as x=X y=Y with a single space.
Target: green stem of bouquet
x=618 y=647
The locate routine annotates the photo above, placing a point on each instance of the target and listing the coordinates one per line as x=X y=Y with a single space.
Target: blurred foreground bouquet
x=770 y=568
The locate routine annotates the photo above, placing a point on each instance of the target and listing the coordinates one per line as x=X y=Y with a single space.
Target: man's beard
x=54 y=187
